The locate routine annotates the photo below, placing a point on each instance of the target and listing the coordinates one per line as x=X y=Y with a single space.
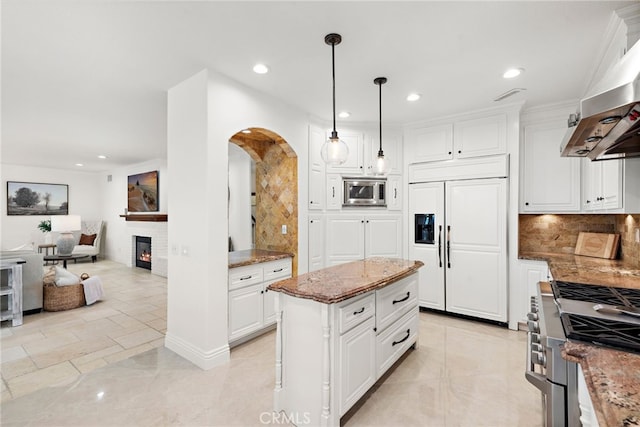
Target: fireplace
x=143 y=252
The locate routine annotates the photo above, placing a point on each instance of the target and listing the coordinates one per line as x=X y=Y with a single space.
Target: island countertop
x=338 y=283
x=255 y=256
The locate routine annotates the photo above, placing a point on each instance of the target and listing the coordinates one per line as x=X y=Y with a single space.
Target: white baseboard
x=202 y=359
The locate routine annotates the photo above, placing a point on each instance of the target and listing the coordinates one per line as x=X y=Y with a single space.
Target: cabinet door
x=480 y=137
x=245 y=311
x=334 y=191
x=429 y=144
x=428 y=198
x=548 y=182
x=476 y=268
x=345 y=239
x=394 y=193
x=590 y=184
x=611 y=184
x=357 y=358
x=316 y=243
x=531 y=272
x=268 y=304
x=316 y=169
x=383 y=236
x=355 y=162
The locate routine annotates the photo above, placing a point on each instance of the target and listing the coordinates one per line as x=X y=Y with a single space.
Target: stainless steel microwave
x=361 y=192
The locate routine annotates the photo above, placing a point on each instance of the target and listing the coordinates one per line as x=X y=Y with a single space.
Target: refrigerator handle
x=440 y=245
x=448 y=246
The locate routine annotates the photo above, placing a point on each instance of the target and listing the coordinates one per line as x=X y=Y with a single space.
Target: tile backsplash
x=559 y=233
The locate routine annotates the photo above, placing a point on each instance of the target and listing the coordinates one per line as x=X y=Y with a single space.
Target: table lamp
x=65 y=225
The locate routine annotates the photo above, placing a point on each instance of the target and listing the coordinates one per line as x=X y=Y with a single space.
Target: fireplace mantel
x=146 y=217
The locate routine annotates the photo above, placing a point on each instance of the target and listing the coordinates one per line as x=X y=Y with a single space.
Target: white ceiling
x=83 y=78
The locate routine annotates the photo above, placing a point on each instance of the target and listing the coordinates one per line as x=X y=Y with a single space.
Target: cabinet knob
x=527 y=203
x=459 y=151
x=311 y=221
x=449 y=152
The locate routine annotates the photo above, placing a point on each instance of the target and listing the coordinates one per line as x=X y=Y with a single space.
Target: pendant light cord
x=380 y=151
x=333 y=78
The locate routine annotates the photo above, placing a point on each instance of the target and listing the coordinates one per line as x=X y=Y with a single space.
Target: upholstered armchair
x=89 y=242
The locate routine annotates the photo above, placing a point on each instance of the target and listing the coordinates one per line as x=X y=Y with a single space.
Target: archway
x=276 y=188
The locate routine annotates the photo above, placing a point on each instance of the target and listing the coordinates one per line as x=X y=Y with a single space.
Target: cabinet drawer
x=245 y=276
x=393 y=342
x=395 y=300
x=277 y=269
x=356 y=312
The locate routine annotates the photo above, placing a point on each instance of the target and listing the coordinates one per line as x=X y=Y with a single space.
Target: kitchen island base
x=329 y=355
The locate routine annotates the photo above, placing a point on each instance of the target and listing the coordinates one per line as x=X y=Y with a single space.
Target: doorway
x=276 y=191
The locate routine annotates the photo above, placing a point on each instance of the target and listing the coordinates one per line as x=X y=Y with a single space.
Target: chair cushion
x=87 y=239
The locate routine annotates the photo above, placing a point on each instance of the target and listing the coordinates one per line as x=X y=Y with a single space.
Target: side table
x=46 y=247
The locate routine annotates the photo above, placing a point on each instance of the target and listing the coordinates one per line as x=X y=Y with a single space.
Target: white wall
x=114 y=197
x=85 y=199
x=240 y=198
x=204 y=112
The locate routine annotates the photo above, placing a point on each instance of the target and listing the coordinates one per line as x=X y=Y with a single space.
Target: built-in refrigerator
x=459 y=231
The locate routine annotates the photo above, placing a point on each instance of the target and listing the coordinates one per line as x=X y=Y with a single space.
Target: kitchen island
x=339 y=330
x=612 y=376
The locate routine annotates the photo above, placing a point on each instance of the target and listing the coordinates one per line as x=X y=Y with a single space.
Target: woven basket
x=60 y=298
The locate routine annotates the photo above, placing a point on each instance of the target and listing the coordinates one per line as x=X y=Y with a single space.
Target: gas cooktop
x=582 y=322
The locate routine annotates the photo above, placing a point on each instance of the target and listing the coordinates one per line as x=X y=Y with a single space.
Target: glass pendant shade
x=381 y=164
x=334 y=151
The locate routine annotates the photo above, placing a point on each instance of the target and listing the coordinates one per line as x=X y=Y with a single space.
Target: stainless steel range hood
x=607 y=123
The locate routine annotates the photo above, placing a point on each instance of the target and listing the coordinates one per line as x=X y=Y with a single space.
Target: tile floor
x=105 y=366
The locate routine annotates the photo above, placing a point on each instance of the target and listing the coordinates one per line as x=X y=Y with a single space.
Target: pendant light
x=334 y=151
x=381 y=164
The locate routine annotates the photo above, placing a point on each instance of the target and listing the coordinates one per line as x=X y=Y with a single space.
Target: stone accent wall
x=277 y=203
x=626 y=225
x=559 y=233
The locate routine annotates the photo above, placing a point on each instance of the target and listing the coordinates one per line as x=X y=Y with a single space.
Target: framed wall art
x=34 y=198
x=142 y=192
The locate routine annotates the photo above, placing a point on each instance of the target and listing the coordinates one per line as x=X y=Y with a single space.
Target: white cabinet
x=429 y=144
x=334 y=191
x=11 y=290
x=485 y=136
x=394 y=193
x=531 y=272
x=548 y=182
x=329 y=355
x=316 y=242
x=357 y=236
x=251 y=306
x=588 y=417
x=601 y=184
x=316 y=169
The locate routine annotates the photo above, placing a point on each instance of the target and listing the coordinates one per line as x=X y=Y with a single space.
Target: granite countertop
x=612 y=376
x=344 y=281
x=255 y=256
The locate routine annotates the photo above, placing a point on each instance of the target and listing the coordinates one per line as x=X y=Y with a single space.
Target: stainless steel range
x=596 y=314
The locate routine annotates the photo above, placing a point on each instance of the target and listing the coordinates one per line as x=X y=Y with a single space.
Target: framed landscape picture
x=142 y=192
x=32 y=198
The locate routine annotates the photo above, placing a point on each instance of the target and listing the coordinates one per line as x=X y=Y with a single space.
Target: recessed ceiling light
x=260 y=69
x=246 y=131
x=512 y=72
x=344 y=114
x=79 y=164
x=413 y=97
x=102 y=156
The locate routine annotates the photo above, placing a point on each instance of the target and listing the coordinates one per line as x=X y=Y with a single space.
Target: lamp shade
x=65 y=223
